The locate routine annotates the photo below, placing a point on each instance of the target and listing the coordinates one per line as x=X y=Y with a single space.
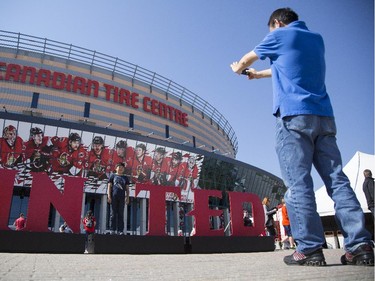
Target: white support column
x=143 y=221
x=216 y=220
x=103 y=213
x=227 y=222
x=126 y=218
x=189 y=220
x=175 y=217
x=57 y=222
x=83 y=210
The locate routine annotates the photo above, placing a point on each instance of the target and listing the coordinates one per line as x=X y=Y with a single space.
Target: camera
x=244 y=72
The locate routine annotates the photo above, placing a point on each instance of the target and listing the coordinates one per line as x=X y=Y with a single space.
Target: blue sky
x=193 y=43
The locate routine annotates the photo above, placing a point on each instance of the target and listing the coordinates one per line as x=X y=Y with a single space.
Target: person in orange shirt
x=287 y=229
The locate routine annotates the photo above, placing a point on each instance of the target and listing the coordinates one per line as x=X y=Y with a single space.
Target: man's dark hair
x=121 y=144
x=98 y=140
x=285 y=15
x=141 y=146
x=74 y=137
x=160 y=150
x=367 y=173
x=36 y=131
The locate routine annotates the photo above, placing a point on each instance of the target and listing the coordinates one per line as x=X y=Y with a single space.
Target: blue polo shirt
x=298 y=70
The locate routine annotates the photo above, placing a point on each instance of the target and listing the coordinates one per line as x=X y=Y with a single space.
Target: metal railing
x=115 y=65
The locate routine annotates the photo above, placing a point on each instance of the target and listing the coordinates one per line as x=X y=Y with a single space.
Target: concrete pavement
x=238 y=266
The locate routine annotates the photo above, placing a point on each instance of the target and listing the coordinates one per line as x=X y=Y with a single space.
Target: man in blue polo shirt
x=305 y=136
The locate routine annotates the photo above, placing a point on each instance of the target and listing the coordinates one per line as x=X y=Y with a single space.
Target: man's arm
x=127 y=194
x=370 y=190
x=253 y=74
x=247 y=60
x=109 y=193
x=366 y=190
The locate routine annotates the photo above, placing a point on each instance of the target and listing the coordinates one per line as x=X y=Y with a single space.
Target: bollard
x=91 y=244
x=187 y=245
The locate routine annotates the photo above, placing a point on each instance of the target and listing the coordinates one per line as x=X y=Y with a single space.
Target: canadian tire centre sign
x=80 y=85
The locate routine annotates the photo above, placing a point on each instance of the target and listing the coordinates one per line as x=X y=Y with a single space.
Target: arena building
x=71 y=111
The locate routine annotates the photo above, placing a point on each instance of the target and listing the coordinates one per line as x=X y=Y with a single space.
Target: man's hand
x=254 y=74
x=251 y=73
x=109 y=200
x=236 y=67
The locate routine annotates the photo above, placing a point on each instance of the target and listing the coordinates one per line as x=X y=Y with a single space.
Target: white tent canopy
x=354 y=171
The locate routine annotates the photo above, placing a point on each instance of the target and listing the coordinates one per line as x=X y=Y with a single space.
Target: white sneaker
x=86 y=252
x=121 y=233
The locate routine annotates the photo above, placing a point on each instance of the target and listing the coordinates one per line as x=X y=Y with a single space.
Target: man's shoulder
x=369 y=179
x=368 y=183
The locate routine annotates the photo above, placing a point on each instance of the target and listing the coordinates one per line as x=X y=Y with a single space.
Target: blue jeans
x=303 y=141
x=117 y=214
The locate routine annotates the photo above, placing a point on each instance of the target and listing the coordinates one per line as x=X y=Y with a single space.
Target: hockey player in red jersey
x=123 y=154
x=38 y=151
x=11 y=148
x=175 y=169
x=141 y=165
x=190 y=174
x=159 y=167
x=69 y=156
x=99 y=159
